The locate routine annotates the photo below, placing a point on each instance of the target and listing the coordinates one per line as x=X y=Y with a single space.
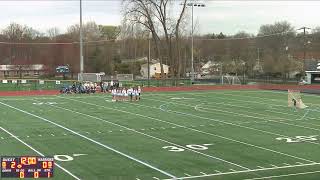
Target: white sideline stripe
x=217 y=171
x=285 y=175
x=203 y=173
x=150 y=136
x=186 y=174
x=87 y=138
x=229 y=123
x=196 y=130
x=260 y=167
x=62 y=168
x=245 y=171
x=156 y=178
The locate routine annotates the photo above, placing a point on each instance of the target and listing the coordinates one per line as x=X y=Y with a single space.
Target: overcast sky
x=228 y=17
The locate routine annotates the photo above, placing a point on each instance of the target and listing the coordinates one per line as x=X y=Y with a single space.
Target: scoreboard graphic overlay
x=27 y=167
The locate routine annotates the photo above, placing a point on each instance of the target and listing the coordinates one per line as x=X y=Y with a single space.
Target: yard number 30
x=190 y=146
x=298 y=139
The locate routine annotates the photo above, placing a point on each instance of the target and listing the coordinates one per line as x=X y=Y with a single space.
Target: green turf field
x=168 y=135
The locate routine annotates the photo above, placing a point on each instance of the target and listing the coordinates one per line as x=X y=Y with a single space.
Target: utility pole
x=304 y=47
x=81 y=44
x=149 y=58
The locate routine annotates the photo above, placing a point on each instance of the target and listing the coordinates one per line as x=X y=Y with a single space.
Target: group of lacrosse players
x=126 y=94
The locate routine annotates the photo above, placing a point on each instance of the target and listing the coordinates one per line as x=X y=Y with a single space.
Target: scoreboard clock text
x=27 y=167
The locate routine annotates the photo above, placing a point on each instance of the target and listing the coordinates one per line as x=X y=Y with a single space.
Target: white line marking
x=153 y=137
x=99 y=132
x=299 y=162
x=287 y=164
x=76 y=155
x=64 y=134
x=196 y=130
x=244 y=171
x=91 y=140
x=28 y=136
x=203 y=173
x=273 y=165
x=207 y=144
x=233 y=170
x=110 y=131
x=156 y=178
x=52 y=134
x=217 y=171
x=40 y=135
x=2 y=138
x=260 y=167
x=186 y=174
x=62 y=168
x=137 y=179
x=285 y=175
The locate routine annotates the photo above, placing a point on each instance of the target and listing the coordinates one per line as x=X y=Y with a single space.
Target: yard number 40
x=297 y=139
x=189 y=146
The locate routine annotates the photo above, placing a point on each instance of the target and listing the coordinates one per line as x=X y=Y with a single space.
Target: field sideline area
x=221 y=134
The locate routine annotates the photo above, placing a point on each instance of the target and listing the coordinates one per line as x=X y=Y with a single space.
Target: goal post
x=295 y=95
x=124 y=77
x=92 y=77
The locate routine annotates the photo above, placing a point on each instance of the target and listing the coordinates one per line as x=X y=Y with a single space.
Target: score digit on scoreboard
x=27 y=167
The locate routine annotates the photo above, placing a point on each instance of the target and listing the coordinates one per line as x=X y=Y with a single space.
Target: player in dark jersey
x=294 y=103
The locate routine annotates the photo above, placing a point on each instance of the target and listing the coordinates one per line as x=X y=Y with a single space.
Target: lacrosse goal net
x=295 y=95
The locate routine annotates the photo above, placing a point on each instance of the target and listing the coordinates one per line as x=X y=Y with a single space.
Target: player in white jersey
x=113 y=93
x=135 y=94
x=124 y=94
x=130 y=91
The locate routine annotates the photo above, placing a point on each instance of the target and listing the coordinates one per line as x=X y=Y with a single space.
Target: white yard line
x=38 y=152
x=150 y=136
x=239 y=114
x=91 y=140
x=233 y=124
x=199 y=131
x=245 y=171
x=285 y=175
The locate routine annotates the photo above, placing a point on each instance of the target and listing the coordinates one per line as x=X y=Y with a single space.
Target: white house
x=210 y=67
x=155 y=70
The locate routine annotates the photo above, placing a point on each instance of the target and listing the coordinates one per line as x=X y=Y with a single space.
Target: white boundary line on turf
x=221 y=121
x=245 y=171
x=244 y=115
x=94 y=141
x=153 y=137
x=62 y=168
x=199 y=131
x=286 y=175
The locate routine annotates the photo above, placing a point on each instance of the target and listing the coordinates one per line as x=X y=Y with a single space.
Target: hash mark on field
x=52 y=134
x=299 y=162
x=233 y=170
x=142 y=129
x=173 y=127
x=186 y=174
x=156 y=178
x=260 y=167
x=121 y=130
x=137 y=179
x=28 y=136
x=273 y=165
x=2 y=138
x=99 y=132
x=287 y=164
x=38 y=135
x=217 y=171
x=64 y=134
x=207 y=144
x=110 y=131
x=203 y=173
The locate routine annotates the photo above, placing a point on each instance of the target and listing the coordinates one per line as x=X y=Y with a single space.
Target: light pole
x=81 y=43
x=193 y=5
x=304 y=47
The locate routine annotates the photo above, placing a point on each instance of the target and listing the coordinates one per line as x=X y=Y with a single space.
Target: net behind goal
x=125 y=77
x=234 y=80
x=92 y=77
x=294 y=95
